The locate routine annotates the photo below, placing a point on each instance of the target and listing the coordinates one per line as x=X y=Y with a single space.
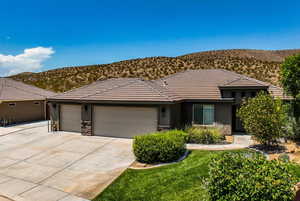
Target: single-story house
x=20 y=102
x=125 y=107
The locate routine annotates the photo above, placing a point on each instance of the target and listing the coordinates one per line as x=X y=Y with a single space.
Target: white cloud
x=30 y=60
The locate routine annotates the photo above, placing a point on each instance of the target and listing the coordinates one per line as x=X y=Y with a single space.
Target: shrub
x=159 y=147
x=178 y=133
x=264 y=117
x=239 y=177
x=204 y=135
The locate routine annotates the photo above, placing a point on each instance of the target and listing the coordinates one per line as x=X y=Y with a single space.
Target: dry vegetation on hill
x=259 y=64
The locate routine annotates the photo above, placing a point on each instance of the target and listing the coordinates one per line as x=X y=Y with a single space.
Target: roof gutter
x=112 y=102
x=3 y=101
x=243 y=87
x=223 y=100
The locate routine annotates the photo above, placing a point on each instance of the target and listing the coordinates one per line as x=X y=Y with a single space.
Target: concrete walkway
x=60 y=166
x=239 y=142
x=13 y=128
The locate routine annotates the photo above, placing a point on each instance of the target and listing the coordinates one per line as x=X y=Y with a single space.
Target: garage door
x=70 y=118
x=124 y=122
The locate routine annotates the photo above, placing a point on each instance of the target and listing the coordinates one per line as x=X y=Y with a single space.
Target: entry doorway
x=237 y=125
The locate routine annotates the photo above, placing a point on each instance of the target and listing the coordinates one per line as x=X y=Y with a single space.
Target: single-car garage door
x=70 y=118
x=126 y=122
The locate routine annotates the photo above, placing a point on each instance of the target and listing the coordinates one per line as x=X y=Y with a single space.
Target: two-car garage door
x=113 y=121
x=118 y=121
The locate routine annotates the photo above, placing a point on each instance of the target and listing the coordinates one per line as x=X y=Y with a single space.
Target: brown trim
x=243 y=87
x=224 y=100
x=3 y=101
x=111 y=102
x=139 y=102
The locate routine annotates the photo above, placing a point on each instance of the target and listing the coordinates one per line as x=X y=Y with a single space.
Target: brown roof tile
x=119 y=89
x=11 y=90
x=190 y=84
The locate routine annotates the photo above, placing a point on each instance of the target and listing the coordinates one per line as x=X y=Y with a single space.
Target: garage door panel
x=124 y=121
x=70 y=118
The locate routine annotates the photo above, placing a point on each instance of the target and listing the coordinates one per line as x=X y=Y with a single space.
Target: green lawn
x=178 y=182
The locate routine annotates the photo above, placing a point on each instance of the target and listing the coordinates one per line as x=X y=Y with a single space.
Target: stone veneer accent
x=86 y=128
x=54 y=125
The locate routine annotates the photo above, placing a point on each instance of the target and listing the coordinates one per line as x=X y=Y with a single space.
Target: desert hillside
x=260 y=64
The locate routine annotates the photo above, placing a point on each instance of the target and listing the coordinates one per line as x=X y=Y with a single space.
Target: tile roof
x=11 y=90
x=119 y=89
x=243 y=82
x=187 y=85
x=278 y=92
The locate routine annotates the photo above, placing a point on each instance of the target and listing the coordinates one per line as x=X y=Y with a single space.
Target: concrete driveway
x=41 y=166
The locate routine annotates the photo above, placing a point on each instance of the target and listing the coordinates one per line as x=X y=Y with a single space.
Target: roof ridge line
x=230 y=81
x=111 y=88
x=153 y=88
x=174 y=74
x=246 y=77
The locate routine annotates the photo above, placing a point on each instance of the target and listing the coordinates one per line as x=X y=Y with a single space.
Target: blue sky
x=99 y=31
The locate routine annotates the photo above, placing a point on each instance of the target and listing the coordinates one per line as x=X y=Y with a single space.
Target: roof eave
x=20 y=100
x=111 y=101
x=243 y=87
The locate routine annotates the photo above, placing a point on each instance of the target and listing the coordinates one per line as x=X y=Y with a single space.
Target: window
x=163 y=112
x=204 y=114
x=12 y=104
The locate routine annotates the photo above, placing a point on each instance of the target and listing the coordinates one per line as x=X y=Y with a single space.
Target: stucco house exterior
x=125 y=107
x=20 y=102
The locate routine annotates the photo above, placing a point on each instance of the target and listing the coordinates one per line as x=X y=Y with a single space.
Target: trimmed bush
x=160 y=147
x=204 y=135
x=240 y=177
x=265 y=118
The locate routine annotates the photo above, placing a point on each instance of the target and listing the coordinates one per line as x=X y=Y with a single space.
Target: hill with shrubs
x=260 y=64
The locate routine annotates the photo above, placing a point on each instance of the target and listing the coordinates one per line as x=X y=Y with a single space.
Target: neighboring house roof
x=187 y=85
x=278 y=93
x=11 y=90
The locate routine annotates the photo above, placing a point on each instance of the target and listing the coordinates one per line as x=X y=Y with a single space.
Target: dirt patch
x=290 y=148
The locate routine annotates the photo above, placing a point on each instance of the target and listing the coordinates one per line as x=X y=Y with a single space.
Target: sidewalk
x=239 y=142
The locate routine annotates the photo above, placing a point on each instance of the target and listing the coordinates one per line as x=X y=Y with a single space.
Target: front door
x=237 y=125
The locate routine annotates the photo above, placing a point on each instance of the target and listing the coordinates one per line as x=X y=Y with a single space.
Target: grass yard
x=178 y=182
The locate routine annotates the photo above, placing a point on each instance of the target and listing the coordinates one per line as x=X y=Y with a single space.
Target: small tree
x=264 y=117
x=290 y=80
x=290 y=75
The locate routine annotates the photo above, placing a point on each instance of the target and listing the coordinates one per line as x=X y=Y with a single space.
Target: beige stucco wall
x=22 y=111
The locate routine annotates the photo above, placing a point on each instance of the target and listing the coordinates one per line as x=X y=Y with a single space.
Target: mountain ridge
x=259 y=64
